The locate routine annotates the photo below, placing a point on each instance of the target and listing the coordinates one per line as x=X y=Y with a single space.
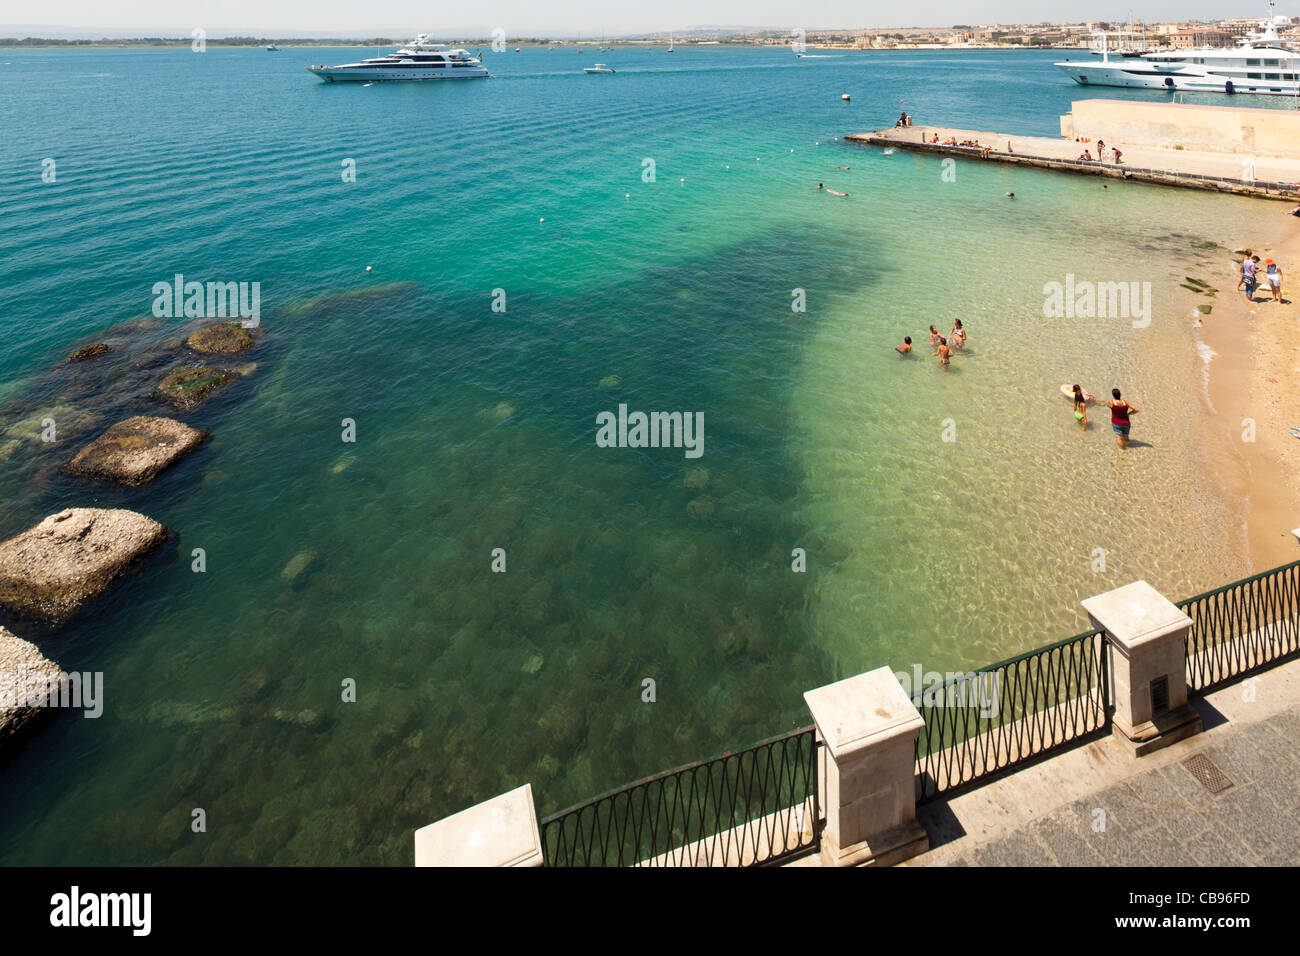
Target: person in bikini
x=944 y=353
x=958 y=335
x=1080 y=407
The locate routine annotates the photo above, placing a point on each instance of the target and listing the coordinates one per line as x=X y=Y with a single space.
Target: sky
x=566 y=17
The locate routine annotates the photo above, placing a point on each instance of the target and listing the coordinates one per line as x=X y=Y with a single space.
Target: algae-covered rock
x=136 y=450
x=190 y=387
x=700 y=507
x=299 y=563
x=228 y=338
x=52 y=568
x=88 y=352
x=25 y=676
x=696 y=478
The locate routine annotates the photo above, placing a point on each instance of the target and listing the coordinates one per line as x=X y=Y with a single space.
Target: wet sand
x=1254 y=377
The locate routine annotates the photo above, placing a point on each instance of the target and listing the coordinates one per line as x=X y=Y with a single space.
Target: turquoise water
x=371 y=561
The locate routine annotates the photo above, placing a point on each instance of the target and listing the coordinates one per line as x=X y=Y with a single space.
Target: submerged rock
x=136 y=450
x=610 y=381
x=190 y=387
x=52 y=568
x=696 y=478
x=228 y=338
x=299 y=563
x=22 y=668
x=88 y=352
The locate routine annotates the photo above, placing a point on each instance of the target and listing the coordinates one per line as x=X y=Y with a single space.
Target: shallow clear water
x=475 y=429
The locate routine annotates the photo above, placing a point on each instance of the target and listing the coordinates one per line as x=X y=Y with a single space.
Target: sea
x=405 y=577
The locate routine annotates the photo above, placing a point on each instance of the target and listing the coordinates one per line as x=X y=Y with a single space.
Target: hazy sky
x=524 y=17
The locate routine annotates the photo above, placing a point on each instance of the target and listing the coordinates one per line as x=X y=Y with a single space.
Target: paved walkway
x=1099 y=806
x=1023 y=149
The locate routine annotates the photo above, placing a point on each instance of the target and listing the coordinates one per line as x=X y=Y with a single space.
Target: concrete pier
x=1247 y=174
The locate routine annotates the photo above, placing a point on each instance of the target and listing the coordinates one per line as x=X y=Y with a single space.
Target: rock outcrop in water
x=190 y=387
x=21 y=666
x=88 y=352
x=50 y=570
x=136 y=450
x=229 y=338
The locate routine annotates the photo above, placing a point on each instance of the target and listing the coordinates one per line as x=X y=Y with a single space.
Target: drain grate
x=1207 y=773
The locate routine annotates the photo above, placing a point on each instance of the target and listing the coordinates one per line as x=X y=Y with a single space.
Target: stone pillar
x=869 y=729
x=1148 y=666
x=498 y=832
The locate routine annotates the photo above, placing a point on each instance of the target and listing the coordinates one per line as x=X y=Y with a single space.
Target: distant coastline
x=46 y=43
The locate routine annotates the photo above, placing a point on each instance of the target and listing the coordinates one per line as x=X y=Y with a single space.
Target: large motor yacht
x=418 y=60
x=1263 y=63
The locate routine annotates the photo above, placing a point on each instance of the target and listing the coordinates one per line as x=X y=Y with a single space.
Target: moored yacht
x=418 y=60
x=1263 y=63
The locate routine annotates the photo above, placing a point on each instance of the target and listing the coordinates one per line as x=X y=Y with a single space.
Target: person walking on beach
x=1273 y=273
x=1120 y=411
x=944 y=353
x=1080 y=407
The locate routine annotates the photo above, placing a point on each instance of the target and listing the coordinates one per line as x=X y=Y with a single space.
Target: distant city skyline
x=80 y=19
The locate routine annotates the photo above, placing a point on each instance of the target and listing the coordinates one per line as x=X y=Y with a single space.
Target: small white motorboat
x=598 y=68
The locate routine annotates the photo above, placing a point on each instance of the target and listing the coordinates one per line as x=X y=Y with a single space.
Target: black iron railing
x=990 y=720
x=1242 y=626
x=748 y=808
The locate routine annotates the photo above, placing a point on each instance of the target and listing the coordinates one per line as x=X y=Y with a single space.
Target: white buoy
x=367 y=268
x=543 y=219
x=627 y=195
x=683 y=179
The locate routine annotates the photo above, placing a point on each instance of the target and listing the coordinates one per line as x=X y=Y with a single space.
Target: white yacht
x=1262 y=63
x=598 y=68
x=418 y=60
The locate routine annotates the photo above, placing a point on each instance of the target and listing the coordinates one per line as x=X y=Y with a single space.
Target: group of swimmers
x=1249 y=280
x=943 y=345
x=1120 y=411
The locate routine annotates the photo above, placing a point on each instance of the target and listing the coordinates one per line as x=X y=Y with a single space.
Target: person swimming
x=905 y=347
x=821 y=186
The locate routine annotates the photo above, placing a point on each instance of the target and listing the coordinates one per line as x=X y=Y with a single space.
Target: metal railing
x=754 y=806
x=990 y=720
x=1242 y=626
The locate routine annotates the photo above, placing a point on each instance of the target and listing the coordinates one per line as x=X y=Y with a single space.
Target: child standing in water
x=943 y=352
x=934 y=337
x=1080 y=407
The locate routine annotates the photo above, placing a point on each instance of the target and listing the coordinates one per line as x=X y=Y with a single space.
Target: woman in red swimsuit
x=1120 y=410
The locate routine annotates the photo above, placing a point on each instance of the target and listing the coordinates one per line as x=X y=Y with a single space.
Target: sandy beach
x=1254 y=377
